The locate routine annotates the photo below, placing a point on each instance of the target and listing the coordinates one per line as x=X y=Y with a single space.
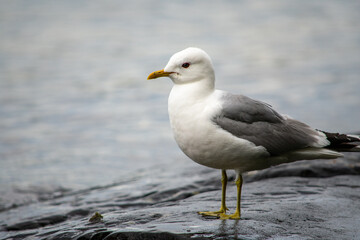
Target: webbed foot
x=222 y=211
x=235 y=216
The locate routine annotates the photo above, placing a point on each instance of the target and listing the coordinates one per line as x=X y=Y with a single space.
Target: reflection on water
x=76 y=110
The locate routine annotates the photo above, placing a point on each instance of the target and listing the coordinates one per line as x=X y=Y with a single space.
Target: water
x=76 y=110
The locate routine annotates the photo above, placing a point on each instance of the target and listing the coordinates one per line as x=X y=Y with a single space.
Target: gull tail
x=342 y=142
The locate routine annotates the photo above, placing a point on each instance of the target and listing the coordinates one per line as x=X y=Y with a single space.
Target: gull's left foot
x=235 y=216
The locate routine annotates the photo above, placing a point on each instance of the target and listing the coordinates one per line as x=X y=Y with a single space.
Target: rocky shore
x=304 y=200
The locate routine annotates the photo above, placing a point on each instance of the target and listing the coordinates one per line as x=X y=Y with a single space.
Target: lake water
x=76 y=110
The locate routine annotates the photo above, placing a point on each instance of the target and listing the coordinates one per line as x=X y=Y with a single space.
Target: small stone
x=97 y=217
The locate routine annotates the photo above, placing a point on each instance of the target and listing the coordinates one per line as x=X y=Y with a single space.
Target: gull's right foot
x=222 y=211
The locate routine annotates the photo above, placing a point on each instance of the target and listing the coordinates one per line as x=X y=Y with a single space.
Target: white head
x=188 y=66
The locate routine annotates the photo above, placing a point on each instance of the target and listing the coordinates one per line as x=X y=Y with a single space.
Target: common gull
x=221 y=130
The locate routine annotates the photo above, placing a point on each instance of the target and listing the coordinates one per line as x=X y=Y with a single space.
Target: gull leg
x=223 y=207
x=236 y=215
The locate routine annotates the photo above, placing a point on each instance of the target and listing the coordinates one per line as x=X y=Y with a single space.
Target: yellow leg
x=223 y=207
x=236 y=215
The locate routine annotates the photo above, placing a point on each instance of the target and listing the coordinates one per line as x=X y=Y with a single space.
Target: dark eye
x=186 y=65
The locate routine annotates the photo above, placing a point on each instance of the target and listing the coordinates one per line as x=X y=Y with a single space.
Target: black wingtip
x=342 y=142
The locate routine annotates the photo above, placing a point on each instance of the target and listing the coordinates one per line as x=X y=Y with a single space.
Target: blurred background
x=77 y=112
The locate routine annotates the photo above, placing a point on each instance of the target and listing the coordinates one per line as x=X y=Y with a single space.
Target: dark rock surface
x=304 y=200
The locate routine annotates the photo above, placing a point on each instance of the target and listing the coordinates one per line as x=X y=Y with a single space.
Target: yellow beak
x=158 y=74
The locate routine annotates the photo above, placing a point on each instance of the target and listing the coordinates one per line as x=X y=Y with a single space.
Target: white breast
x=198 y=136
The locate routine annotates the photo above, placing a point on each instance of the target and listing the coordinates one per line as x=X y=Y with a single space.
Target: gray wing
x=257 y=122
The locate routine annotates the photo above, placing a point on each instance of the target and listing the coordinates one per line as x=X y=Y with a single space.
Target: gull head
x=188 y=66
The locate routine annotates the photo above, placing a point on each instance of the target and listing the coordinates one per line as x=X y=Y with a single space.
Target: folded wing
x=257 y=122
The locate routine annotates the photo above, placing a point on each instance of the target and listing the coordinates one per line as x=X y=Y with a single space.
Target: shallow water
x=76 y=110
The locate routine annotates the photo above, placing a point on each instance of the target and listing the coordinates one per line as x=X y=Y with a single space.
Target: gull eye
x=186 y=65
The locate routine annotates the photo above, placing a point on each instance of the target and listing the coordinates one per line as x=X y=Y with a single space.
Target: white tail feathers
x=305 y=154
x=314 y=153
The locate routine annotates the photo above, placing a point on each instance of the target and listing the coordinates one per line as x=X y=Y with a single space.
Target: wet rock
x=308 y=200
x=31 y=224
x=94 y=236
x=319 y=168
x=106 y=235
x=144 y=236
x=80 y=212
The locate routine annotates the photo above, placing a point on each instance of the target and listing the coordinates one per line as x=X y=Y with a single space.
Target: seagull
x=225 y=131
